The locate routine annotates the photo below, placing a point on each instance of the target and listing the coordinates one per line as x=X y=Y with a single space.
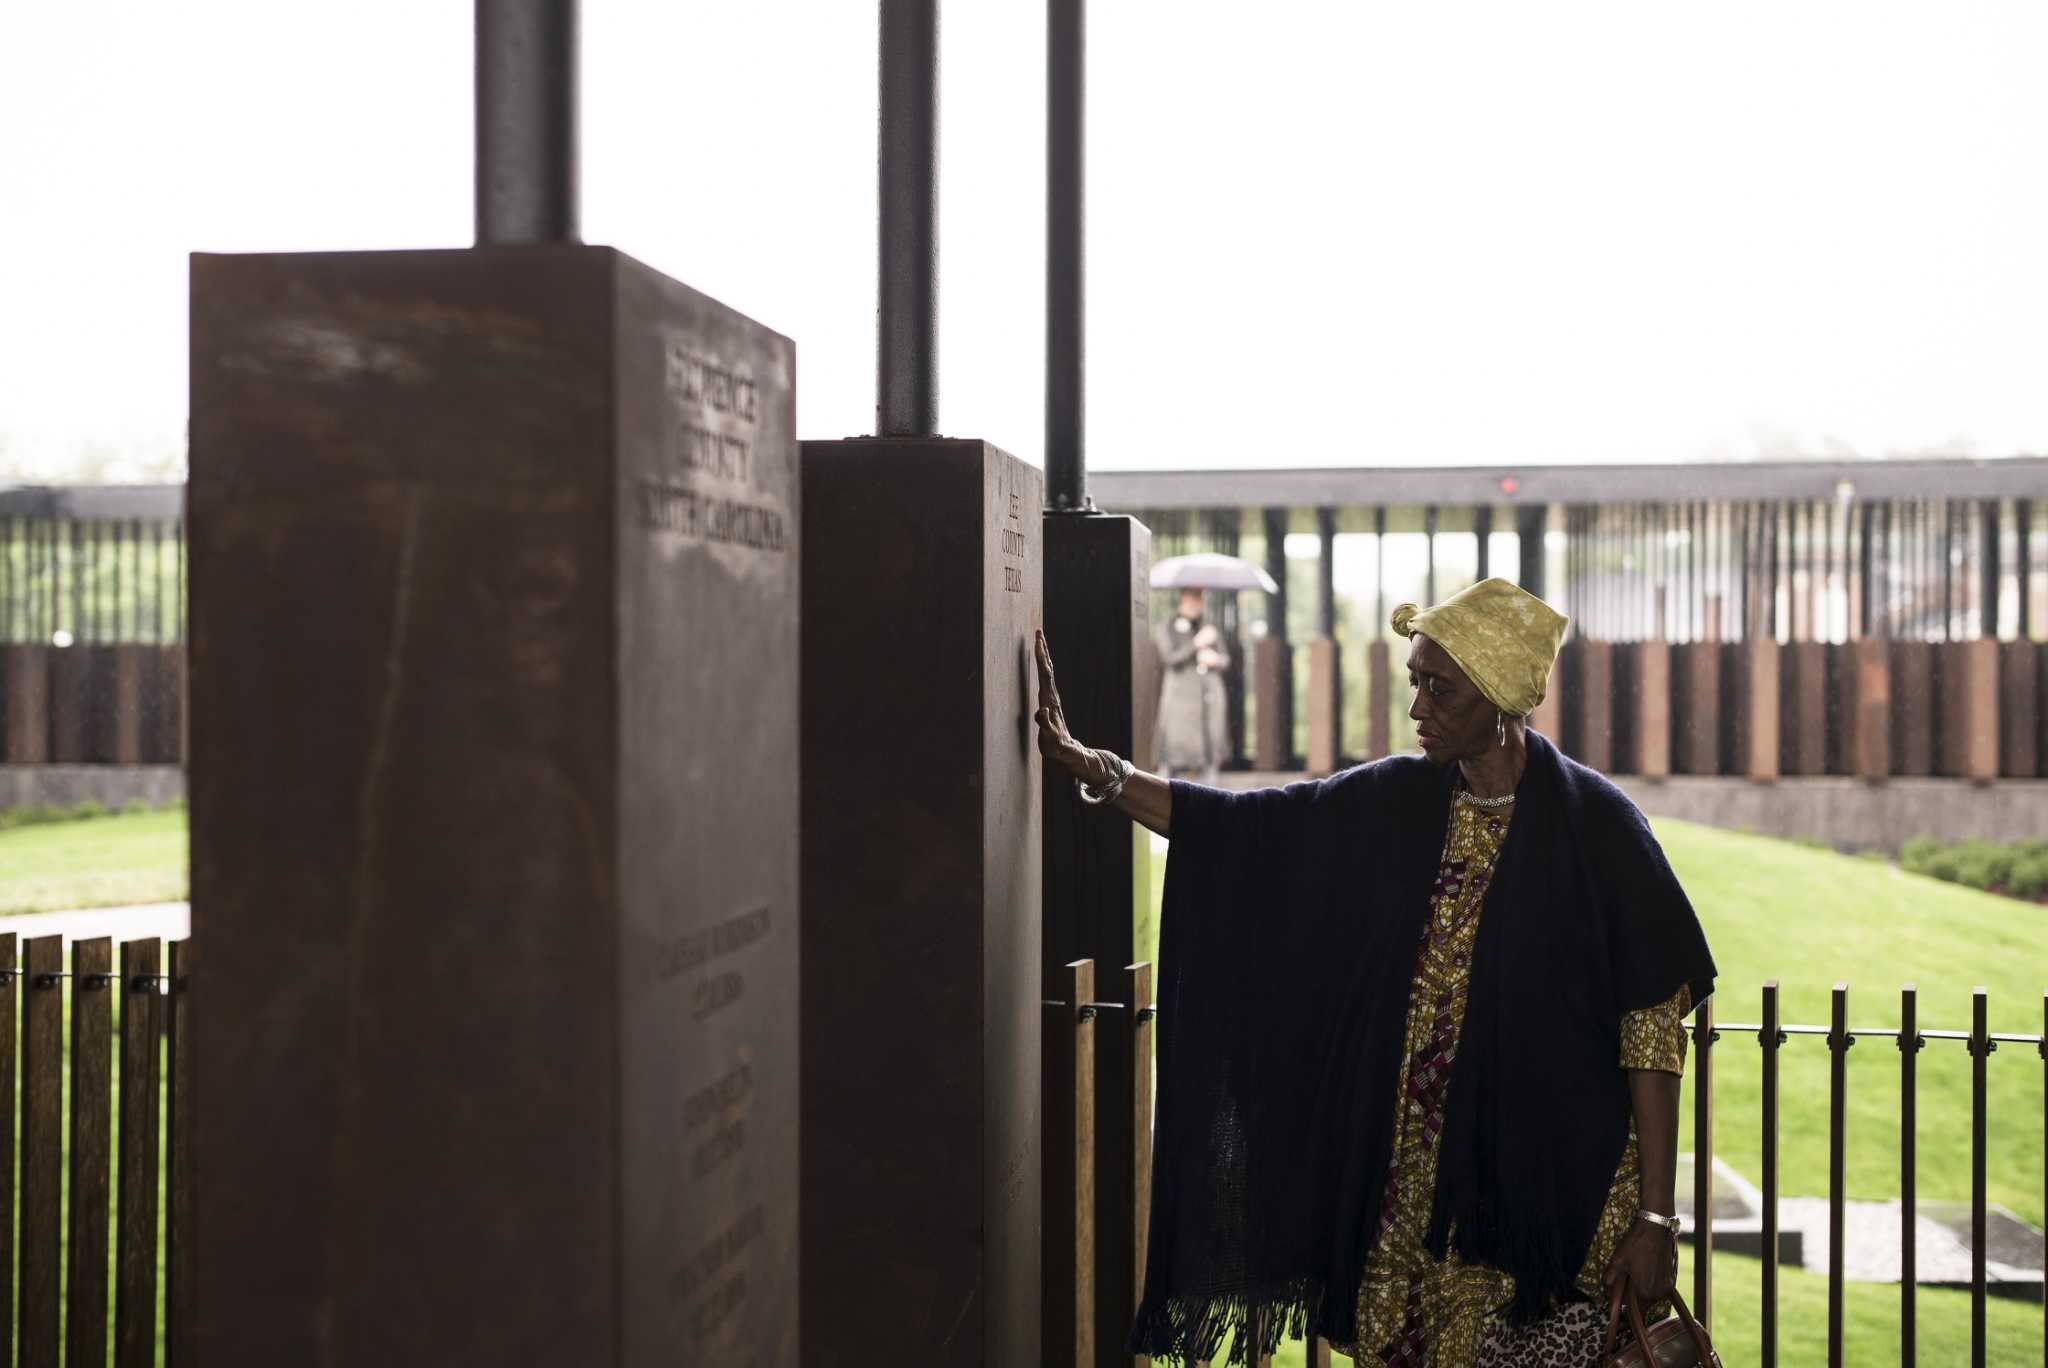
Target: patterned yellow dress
x=1415 y=1310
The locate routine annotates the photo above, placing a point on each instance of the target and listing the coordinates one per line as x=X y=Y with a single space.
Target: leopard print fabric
x=1571 y=1337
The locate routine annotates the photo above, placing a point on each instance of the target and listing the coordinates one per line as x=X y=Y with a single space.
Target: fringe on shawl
x=1190 y=1327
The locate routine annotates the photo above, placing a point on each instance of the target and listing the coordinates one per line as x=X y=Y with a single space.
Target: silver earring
x=1500 y=727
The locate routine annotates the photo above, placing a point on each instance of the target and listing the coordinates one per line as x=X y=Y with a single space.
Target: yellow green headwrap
x=1503 y=637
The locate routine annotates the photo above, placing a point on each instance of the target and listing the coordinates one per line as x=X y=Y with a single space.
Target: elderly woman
x=1420 y=1031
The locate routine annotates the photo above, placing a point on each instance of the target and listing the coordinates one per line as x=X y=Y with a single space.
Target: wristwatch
x=1671 y=1223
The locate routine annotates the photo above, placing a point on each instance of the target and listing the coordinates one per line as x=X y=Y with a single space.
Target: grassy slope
x=1810 y=918
x=102 y=862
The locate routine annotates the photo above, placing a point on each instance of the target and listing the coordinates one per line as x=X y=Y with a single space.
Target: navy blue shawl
x=1287 y=948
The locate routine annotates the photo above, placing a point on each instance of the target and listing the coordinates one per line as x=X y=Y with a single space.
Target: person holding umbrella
x=1189 y=737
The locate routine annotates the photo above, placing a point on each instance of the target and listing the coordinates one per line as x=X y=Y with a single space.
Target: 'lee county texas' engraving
x=708 y=488
x=1013 y=547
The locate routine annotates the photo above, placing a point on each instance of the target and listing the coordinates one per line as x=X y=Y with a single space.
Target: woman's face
x=1453 y=720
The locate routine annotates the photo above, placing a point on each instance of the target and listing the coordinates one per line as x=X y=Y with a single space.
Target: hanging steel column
x=526 y=121
x=907 y=382
x=1066 y=94
x=2023 y=527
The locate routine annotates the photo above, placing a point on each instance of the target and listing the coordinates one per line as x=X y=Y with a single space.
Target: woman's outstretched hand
x=1646 y=1264
x=1055 y=742
x=1145 y=798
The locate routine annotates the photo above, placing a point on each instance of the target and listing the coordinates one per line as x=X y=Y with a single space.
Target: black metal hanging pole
x=1066 y=99
x=527 y=179
x=907 y=379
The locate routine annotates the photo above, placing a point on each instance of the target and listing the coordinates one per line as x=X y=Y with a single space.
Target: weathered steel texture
x=2019 y=709
x=527 y=169
x=1549 y=716
x=1381 y=698
x=1096 y=881
x=1758 y=708
x=1696 y=707
x=1592 y=694
x=1323 y=720
x=1652 y=702
x=922 y=991
x=1803 y=740
x=1967 y=711
x=907 y=378
x=1270 y=753
x=1912 y=700
x=26 y=694
x=519 y=794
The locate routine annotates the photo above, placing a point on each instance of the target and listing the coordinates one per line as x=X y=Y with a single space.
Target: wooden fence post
x=1081 y=998
x=42 y=1147
x=1142 y=1013
x=141 y=1089
x=92 y=1063
x=8 y=978
x=177 y=1149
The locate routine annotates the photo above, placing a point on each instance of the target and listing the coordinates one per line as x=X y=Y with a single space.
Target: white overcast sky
x=1342 y=233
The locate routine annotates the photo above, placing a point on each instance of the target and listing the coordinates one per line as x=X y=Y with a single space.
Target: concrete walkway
x=166 y=921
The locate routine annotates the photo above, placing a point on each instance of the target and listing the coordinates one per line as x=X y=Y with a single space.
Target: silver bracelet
x=1670 y=1223
x=1120 y=772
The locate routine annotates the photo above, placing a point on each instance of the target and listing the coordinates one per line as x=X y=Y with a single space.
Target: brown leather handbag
x=1675 y=1342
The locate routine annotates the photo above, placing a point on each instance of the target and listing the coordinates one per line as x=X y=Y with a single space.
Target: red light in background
x=1509 y=484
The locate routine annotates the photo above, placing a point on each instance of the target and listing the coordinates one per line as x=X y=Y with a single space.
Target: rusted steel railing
x=1772 y=1036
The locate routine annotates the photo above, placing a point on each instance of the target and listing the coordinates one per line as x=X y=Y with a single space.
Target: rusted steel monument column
x=1966 y=682
x=1804 y=747
x=1653 y=708
x=494 y=790
x=1380 y=698
x=922 y=996
x=1096 y=866
x=1325 y=666
x=1273 y=657
x=1590 y=691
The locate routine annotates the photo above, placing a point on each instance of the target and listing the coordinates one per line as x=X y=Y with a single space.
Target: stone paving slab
x=166 y=921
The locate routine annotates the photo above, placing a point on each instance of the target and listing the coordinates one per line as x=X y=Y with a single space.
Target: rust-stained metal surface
x=922 y=1011
x=1097 y=888
x=492 y=719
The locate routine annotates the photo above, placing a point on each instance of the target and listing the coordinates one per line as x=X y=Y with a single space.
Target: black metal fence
x=1069 y=1338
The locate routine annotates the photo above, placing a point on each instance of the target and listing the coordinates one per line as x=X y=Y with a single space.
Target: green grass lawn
x=98 y=862
x=1810 y=918
x=1870 y=1322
